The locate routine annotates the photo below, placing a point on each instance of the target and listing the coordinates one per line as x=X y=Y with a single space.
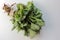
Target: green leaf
x=34 y=26
x=18 y=28
x=40 y=22
x=14 y=25
x=20 y=6
x=32 y=33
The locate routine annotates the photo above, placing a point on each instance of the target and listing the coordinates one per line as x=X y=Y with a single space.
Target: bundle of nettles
x=27 y=18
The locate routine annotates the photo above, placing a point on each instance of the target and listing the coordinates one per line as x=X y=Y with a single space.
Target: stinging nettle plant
x=28 y=18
